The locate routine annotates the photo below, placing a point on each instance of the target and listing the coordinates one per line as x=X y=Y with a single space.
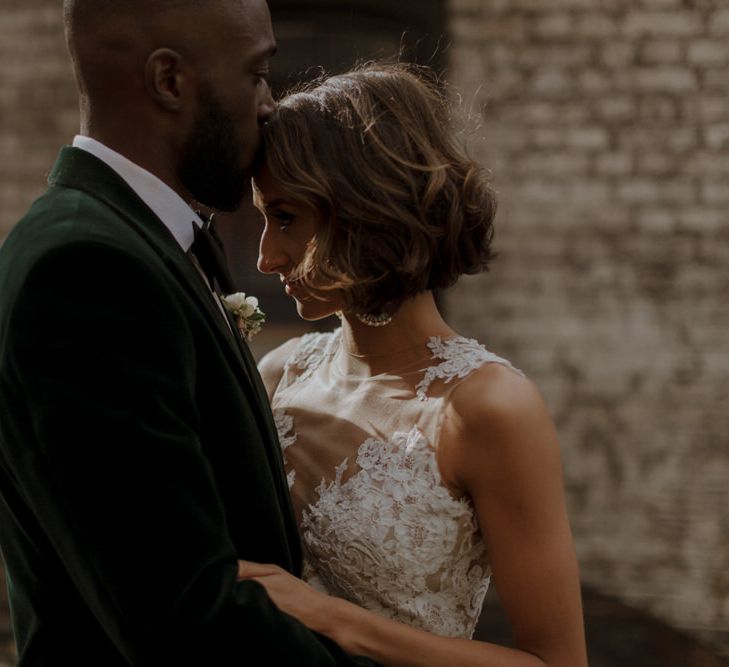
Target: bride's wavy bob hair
x=404 y=209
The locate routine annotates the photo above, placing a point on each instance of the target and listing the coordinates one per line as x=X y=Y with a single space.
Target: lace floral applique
x=312 y=351
x=393 y=539
x=460 y=357
x=286 y=436
x=383 y=531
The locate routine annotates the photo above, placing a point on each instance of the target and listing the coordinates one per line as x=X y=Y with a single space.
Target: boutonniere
x=248 y=316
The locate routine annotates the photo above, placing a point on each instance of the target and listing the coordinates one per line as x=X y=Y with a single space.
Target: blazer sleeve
x=101 y=354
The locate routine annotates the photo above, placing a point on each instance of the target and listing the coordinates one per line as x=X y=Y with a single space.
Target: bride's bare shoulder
x=496 y=423
x=271 y=366
x=495 y=391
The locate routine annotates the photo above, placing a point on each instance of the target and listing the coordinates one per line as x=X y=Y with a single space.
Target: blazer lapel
x=79 y=169
x=265 y=412
x=251 y=369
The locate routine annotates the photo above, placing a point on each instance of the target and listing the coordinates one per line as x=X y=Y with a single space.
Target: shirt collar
x=174 y=212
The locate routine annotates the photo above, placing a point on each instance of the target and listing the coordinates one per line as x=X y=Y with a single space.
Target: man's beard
x=211 y=167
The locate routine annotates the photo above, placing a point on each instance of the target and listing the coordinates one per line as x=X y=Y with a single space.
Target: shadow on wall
x=617 y=636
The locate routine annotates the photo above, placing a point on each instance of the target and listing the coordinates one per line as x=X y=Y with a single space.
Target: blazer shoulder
x=69 y=230
x=63 y=217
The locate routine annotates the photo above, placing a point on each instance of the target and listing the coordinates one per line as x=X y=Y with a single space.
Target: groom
x=138 y=458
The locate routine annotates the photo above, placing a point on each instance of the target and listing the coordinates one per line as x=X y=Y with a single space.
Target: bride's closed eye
x=282 y=218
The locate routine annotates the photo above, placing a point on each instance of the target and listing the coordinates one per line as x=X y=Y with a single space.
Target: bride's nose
x=271 y=257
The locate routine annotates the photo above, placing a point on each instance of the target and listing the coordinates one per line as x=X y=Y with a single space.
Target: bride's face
x=289 y=227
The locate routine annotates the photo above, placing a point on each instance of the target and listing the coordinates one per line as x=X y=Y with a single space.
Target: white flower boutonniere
x=248 y=316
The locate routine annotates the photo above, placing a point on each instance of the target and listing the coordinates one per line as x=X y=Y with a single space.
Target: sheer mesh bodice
x=378 y=525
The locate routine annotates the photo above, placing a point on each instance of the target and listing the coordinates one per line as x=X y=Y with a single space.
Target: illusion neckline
x=418 y=365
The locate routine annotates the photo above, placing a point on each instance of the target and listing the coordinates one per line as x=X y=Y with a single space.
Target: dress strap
x=459 y=357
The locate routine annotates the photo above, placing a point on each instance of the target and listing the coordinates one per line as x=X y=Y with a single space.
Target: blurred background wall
x=606 y=126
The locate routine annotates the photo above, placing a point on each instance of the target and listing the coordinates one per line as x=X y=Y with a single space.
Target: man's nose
x=267 y=106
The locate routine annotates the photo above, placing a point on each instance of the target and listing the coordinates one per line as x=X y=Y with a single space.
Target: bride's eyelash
x=283 y=218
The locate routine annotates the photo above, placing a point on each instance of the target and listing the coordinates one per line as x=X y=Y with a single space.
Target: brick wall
x=607 y=127
x=38 y=106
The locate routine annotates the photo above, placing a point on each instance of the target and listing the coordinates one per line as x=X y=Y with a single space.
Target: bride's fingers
x=248 y=569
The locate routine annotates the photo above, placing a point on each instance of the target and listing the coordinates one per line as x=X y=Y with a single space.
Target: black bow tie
x=208 y=250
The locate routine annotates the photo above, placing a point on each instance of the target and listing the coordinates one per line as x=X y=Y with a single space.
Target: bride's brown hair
x=404 y=208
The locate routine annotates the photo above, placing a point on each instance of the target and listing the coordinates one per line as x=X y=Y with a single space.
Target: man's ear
x=165 y=79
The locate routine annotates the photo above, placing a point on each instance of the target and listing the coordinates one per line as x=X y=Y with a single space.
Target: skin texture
x=498 y=446
x=166 y=93
x=289 y=225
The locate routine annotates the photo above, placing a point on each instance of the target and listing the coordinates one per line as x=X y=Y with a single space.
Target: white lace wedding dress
x=379 y=527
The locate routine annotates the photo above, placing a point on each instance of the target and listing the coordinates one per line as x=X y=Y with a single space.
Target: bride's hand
x=289 y=593
x=333 y=617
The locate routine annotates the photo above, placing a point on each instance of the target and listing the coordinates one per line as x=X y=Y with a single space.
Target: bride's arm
x=498 y=444
x=361 y=632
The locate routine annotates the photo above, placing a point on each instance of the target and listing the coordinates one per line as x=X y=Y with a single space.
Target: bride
x=420 y=464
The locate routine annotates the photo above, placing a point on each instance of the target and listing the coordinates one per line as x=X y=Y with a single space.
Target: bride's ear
x=165 y=79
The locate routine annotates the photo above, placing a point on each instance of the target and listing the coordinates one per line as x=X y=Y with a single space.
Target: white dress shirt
x=174 y=212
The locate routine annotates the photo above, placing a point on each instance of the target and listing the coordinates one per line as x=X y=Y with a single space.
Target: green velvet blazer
x=138 y=456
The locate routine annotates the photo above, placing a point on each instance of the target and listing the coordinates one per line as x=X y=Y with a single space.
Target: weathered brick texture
x=38 y=109
x=606 y=125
